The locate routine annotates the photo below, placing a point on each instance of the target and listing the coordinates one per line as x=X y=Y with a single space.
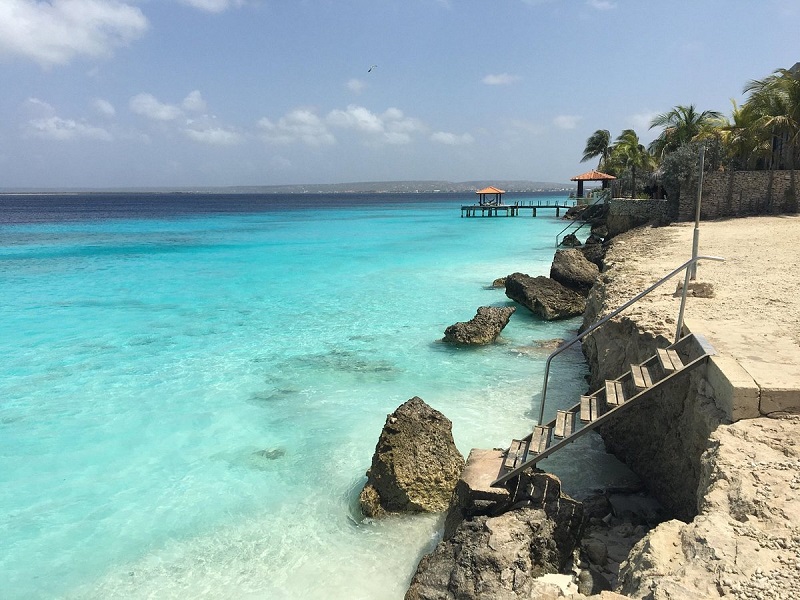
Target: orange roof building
x=592 y=175
x=490 y=191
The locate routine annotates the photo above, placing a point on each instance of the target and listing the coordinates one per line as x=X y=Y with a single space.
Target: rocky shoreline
x=716 y=518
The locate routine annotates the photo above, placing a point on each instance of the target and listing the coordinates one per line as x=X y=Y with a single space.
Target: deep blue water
x=193 y=385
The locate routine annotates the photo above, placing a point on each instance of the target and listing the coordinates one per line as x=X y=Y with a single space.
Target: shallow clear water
x=189 y=398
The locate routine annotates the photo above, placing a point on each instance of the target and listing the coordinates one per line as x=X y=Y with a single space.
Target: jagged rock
x=745 y=541
x=571 y=269
x=594 y=252
x=416 y=463
x=544 y=297
x=571 y=241
x=484 y=327
x=501 y=557
x=500 y=282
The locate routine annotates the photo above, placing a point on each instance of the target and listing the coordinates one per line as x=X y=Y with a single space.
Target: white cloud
x=601 y=4
x=215 y=136
x=356 y=85
x=194 y=102
x=56 y=128
x=104 y=107
x=500 y=79
x=213 y=6
x=391 y=127
x=299 y=125
x=53 y=33
x=34 y=107
x=452 y=139
x=148 y=106
x=567 y=121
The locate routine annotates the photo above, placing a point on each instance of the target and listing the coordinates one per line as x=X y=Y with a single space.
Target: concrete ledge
x=735 y=392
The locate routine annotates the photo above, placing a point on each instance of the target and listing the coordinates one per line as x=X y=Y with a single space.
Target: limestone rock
x=484 y=327
x=500 y=282
x=544 y=297
x=502 y=556
x=594 y=252
x=571 y=241
x=571 y=269
x=416 y=463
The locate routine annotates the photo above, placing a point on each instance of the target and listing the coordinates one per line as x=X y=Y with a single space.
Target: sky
x=182 y=93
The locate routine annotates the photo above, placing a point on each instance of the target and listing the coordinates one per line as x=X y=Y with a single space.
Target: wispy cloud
x=356 y=85
x=213 y=6
x=500 y=79
x=56 y=128
x=104 y=107
x=194 y=102
x=299 y=125
x=53 y=33
x=213 y=135
x=452 y=139
x=149 y=106
x=641 y=121
x=391 y=127
x=601 y=4
x=567 y=121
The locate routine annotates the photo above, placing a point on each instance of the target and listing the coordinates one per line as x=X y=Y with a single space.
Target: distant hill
x=365 y=187
x=405 y=187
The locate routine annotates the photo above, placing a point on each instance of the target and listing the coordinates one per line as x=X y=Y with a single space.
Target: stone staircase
x=636 y=385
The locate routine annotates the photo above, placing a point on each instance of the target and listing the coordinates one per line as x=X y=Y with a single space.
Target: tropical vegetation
x=761 y=134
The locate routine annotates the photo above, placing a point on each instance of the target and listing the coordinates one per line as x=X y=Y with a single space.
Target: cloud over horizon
x=54 y=33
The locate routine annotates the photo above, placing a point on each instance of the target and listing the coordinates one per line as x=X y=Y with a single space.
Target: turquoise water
x=189 y=401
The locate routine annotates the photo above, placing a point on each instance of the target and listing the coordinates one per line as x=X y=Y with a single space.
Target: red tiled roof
x=592 y=176
x=490 y=190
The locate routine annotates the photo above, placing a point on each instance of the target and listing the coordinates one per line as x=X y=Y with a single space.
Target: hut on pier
x=592 y=175
x=490 y=196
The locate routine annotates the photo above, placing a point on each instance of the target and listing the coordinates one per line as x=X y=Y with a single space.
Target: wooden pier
x=514 y=210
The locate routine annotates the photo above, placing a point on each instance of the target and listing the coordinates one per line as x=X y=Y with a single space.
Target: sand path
x=754 y=314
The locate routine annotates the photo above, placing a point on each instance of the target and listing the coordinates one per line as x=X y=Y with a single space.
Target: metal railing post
x=614 y=313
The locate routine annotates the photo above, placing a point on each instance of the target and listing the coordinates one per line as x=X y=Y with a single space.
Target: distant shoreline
x=374 y=187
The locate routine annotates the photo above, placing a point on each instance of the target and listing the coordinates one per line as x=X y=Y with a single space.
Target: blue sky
x=121 y=93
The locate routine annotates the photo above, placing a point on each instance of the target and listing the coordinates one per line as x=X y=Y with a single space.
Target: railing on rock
x=685 y=266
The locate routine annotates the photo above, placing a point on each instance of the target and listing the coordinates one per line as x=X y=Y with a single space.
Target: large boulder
x=484 y=327
x=503 y=556
x=416 y=463
x=571 y=269
x=544 y=296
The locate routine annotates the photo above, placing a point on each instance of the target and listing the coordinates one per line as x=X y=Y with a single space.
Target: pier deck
x=514 y=210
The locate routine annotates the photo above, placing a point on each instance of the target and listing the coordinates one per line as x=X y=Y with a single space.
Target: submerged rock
x=483 y=329
x=416 y=463
x=544 y=296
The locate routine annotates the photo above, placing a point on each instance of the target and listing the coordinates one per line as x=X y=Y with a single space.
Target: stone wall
x=739 y=193
x=627 y=213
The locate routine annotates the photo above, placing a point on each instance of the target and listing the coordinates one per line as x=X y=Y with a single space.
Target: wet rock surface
x=482 y=329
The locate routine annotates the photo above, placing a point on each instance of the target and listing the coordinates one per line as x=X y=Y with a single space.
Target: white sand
x=754 y=315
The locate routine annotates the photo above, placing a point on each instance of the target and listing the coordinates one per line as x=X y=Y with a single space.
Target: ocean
x=192 y=385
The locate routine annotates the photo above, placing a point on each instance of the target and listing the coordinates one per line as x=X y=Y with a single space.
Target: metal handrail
x=582 y=221
x=611 y=315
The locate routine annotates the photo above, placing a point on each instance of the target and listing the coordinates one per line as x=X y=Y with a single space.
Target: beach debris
x=482 y=329
x=416 y=464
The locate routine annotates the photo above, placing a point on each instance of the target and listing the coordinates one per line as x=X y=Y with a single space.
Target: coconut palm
x=598 y=144
x=776 y=99
x=743 y=137
x=628 y=153
x=680 y=125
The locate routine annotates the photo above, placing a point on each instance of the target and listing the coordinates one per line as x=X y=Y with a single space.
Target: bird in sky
x=372 y=67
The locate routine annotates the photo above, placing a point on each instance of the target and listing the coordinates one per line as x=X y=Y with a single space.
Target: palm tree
x=776 y=99
x=681 y=125
x=598 y=144
x=743 y=137
x=629 y=153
